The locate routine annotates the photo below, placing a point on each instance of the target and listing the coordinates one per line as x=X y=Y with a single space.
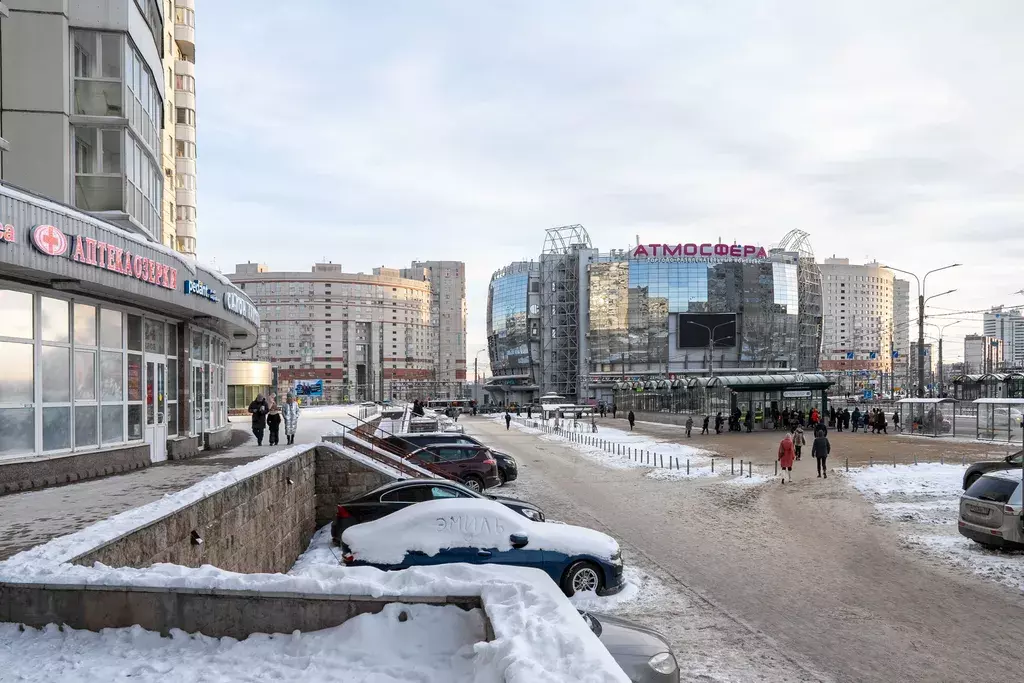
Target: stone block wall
x=260 y=524
x=339 y=478
x=34 y=473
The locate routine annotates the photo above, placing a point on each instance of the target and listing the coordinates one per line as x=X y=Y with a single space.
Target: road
x=803 y=569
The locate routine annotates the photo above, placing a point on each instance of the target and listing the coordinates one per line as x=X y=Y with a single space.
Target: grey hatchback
x=643 y=654
x=990 y=510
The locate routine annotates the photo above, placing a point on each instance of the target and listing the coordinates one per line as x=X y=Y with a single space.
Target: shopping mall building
x=583 y=323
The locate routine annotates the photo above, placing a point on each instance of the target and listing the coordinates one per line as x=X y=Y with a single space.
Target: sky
x=378 y=133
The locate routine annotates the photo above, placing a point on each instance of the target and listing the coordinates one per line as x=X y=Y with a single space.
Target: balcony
x=185 y=37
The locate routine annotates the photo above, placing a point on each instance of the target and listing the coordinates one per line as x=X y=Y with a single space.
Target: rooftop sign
x=241 y=306
x=699 y=253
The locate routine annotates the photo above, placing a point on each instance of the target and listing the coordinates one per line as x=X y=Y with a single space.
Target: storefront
x=114 y=347
x=247 y=379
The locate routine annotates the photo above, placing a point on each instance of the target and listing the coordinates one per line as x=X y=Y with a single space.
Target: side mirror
x=518 y=540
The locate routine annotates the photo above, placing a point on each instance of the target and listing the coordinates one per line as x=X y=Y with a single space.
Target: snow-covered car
x=979 y=468
x=990 y=510
x=479 y=531
x=644 y=654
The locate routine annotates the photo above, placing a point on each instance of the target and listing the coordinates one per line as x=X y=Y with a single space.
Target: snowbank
x=424 y=643
x=435 y=525
x=926 y=479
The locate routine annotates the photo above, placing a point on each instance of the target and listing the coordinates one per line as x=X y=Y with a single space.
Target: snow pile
x=435 y=525
x=67 y=548
x=924 y=501
x=428 y=644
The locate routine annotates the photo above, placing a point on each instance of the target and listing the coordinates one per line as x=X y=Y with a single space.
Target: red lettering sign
x=7 y=234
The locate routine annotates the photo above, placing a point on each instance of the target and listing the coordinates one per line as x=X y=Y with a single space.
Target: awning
x=770 y=382
x=928 y=401
x=1001 y=401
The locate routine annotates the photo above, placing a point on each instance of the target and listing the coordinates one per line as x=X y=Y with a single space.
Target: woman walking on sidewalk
x=689 y=425
x=820 y=450
x=798 y=441
x=632 y=419
x=290 y=412
x=704 y=429
x=787 y=455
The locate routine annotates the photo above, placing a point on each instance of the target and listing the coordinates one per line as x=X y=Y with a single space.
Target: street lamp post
x=711 y=343
x=921 y=283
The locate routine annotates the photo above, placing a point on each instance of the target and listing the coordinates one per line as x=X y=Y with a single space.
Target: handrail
x=390 y=448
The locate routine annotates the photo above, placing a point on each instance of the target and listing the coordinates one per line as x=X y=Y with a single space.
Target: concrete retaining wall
x=236 y=614
x=37 y=472
x=339 y=478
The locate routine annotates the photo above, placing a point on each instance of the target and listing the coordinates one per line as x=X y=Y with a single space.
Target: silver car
x=643 y=654
x=990 y=510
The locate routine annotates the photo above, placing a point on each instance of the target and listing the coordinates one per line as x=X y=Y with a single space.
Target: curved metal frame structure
x=809 y=293
x=560 y=323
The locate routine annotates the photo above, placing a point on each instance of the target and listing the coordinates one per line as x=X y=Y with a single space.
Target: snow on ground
x=423 y=643
x=924 y=501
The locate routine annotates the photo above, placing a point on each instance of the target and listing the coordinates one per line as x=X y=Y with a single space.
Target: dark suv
x=470 y=464
x=508 y=469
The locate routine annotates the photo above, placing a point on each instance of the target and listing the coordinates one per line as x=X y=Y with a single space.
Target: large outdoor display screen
x=694 y=329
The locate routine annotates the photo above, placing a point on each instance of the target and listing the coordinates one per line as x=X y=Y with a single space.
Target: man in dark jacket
x=632 y=419
x=259 y=410
x=508 y=419
x=856 y=418
x=820 y=450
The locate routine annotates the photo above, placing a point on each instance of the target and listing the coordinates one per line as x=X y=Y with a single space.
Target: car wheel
x=581 y=576
x=501 y=477
x=474 y=483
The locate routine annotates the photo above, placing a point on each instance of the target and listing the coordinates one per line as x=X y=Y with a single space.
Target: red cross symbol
x=49 y=240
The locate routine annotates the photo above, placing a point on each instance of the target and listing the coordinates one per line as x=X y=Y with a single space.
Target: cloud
x=375 y=134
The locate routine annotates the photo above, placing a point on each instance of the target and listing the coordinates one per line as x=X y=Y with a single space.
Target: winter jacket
x=798 y=438
x=821 y=447
x=787 y=454
x=274 y=418
x=259 y=410
x=290 y=412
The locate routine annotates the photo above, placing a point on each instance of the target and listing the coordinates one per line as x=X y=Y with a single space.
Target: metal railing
x=383 y=444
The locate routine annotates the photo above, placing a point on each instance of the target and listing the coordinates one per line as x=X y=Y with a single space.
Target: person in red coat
x=787 y=454
x=814 y=416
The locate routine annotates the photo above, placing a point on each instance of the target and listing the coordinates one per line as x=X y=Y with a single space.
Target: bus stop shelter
x=928 y=416
x=999 y=419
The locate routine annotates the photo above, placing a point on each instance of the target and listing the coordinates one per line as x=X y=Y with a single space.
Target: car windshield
x=994 y=489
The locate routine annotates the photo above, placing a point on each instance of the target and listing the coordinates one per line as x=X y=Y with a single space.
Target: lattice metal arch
x=561 y=314
x=809 y=293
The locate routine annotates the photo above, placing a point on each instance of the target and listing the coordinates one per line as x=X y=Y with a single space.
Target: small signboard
x=313 y=388
x=868 y=394
x=796 y=393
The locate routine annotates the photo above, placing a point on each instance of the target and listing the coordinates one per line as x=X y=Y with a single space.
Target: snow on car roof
x=435 y=525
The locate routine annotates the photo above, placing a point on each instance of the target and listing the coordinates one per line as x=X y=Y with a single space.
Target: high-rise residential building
x=365 y=336
x=901 y=326
x=929 y=369
x=983 y=354
x=82 y=110
x=448 y=315
x=1008 y=326
x=184 y=122
x=858 y=318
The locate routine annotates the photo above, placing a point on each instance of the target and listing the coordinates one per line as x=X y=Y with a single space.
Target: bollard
x=712 y=465
x=942 y=460
x=687 y=465
x=776 y=467
x=732 y=465
x=847 y=464
x=750 y=468
x=871 y=462
x=661 y=459
x=915 y=458
x=963 y=460
x=894 y=461
x=741 y=465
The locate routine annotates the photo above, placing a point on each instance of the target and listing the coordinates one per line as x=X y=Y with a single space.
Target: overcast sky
x=377 y=133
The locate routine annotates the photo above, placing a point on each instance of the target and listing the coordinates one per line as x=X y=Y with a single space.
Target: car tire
x=581 y=576
x=501 y=477
x=474 y=483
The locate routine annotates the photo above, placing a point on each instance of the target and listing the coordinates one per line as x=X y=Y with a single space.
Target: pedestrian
x=689 y=425
x=787 y=455
x=820 y=430
x=614 y=410
x=896 y=421
x=820 y=450
x=274 y=423
x=718 y=422
x=417 y=408
x=529 y=412
x=785 y=418
x=832 y=416
x=814 y=416
x=259 y=409
x=798 y=441
x=518 y=410
x=750 y=422
x=290 y=413
x=882 y=424
x=508 y=419
x=856 y=419
x=631 y=418
x=602 y=409
x=704 y=430
x=593 y=424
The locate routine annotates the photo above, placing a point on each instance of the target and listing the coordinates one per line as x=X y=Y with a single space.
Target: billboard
x=312 y=388
x=693 y=330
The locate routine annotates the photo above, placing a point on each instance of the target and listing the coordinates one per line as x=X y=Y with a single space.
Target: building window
x=97 y=65
x=185 y=82
x=185 y=116
x=98 y=168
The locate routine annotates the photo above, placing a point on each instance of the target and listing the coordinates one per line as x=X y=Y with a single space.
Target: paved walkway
x=34 y=517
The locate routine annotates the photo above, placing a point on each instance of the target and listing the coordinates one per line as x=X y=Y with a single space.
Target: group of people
x=268 y=415
x=874 y=418
x=792 y=444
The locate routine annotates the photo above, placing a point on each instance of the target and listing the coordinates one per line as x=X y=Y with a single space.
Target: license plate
x=979 y=510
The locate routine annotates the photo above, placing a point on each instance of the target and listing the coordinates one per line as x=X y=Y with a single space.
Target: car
x=644 y=654
x=990 y=511
x=508 y=468
x=478 y=531
x=384 y=500
x=979 y=468
x=474 y=466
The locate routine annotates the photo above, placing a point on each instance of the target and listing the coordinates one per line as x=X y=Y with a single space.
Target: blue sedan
x=477 y=531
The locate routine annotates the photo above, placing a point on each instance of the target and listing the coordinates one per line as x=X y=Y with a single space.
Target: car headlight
x=532 y=514
x=663 y=663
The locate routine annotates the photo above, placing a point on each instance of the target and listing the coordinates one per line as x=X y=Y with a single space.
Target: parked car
x=397 y=495
x=643 y=654
x=979 y=468
x=508 y=468
x=474 y=466
x=485 y=532
x=990 y=510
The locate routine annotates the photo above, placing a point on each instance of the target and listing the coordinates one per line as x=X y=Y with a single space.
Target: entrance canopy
x=770 y=382
x=928 y=401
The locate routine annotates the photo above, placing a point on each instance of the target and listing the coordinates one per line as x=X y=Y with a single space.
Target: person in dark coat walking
x=417 y=408
x=689 y=425
x=750 y=420
x=529 y=412
x=508 y=420
x=632 y=419
x=704 y=429
x=856 y=418
x=259 y=410
x=274 y=423
x=718 y=423
x=896 y=420
x=615 y=409
x=820 y=450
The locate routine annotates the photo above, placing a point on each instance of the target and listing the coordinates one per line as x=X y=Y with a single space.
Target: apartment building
x=1006 y=325
x=860 y=313
x=901 y=326
x=983 y=354
x=448 y=310
x=366 y=336
x=184 y=126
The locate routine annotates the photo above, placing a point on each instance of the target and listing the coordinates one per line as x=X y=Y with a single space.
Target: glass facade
x=507 y=325
x=208 y=399
x=634 y=306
